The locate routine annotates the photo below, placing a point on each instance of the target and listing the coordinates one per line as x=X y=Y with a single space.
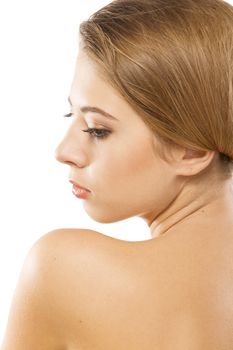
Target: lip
x=79 y=191
x=78 y=186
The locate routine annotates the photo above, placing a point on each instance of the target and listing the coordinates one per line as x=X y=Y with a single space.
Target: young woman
x=151 y=136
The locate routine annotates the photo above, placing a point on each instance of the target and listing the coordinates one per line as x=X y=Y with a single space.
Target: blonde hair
x=172 y=61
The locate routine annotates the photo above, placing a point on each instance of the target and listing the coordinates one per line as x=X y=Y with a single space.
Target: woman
x=151 y=136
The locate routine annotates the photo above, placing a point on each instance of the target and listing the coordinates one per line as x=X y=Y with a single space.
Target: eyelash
x=94 y=132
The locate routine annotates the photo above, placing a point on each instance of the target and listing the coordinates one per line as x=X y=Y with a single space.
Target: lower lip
x=80 y=192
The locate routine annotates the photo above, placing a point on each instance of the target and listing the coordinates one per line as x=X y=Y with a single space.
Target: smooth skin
x=82 y=290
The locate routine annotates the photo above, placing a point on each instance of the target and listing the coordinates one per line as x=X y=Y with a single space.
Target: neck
x=193 y=207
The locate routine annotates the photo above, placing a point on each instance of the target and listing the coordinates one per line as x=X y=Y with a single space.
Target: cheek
x=126 y=166
x=126 y=183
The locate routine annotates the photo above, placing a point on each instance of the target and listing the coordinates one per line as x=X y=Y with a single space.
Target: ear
x=192 y=162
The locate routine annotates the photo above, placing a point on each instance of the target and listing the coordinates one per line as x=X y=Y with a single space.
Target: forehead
x=88 y=84
x=90 y=88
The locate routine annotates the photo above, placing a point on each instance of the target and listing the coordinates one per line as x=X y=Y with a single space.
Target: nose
x=70 y=152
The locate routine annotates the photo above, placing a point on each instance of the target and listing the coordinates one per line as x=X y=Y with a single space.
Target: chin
x=104 y=216
x=103 y=219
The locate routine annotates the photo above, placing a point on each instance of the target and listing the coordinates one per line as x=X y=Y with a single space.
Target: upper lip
x=78 y=185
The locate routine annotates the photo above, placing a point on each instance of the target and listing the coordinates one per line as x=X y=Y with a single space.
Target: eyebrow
x=86 y=109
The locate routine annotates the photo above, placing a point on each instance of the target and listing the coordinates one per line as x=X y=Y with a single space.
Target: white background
x=39 y=42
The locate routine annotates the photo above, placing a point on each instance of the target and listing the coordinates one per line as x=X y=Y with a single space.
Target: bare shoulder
x=38 y=313
x=70 y=250
x=97 y=292
x=90 y=278
x=109 y=286
x=50 y=290
x=66 y=254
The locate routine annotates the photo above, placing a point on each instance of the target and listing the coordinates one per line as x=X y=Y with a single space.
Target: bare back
x=173 y=292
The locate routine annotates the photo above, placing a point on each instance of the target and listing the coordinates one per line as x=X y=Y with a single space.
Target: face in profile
x=117 y=163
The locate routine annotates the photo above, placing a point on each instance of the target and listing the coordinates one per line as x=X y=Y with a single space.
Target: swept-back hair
x=172 y=61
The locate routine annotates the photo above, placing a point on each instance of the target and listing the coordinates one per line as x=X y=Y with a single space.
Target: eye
x=98 y=133
x=94 y=132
